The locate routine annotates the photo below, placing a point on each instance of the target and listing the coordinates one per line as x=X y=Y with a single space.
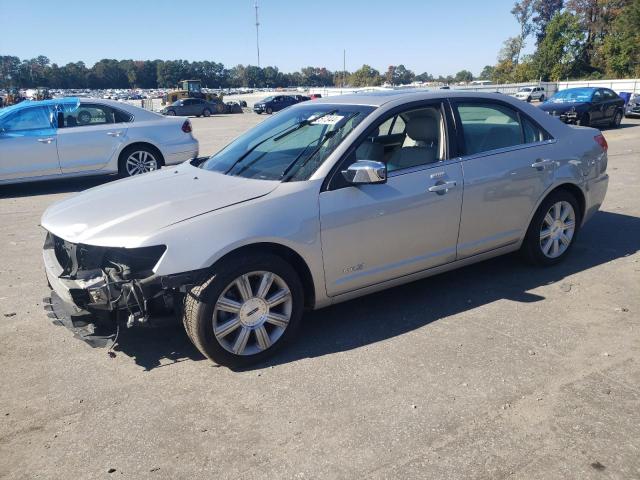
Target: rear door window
x=89 y=114
x=488 y=126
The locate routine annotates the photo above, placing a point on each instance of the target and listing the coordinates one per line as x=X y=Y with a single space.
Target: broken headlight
x=128 y=263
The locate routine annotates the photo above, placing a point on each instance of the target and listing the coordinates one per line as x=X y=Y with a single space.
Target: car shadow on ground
x=625 y=124
x=393 y=312
x=49 y=187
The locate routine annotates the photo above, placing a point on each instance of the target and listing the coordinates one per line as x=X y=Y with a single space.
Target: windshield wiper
x=278 y=136
x=325 y=137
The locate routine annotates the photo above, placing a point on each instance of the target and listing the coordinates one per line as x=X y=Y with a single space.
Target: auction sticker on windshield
x=327 y=120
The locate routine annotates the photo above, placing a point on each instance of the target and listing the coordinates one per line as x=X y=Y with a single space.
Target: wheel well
x=141 y=144
x=294 y=259
x=576 y=192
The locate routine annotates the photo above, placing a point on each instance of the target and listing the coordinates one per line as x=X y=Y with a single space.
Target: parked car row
x=70 y=137
x=372 y=186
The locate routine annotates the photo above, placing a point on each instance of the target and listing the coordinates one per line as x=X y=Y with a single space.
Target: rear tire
x=541 y=98
x=138 y=159
x=528 y=99
x=238 y=326
x=553 y=229
x=206 y=112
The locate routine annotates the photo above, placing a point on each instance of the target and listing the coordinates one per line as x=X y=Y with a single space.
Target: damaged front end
x=117 y=281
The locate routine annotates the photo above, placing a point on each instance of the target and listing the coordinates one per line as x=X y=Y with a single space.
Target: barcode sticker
x=327 y=120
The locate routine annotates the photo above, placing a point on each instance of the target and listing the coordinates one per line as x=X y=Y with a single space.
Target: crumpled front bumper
x=88 y=285
x=86 y=281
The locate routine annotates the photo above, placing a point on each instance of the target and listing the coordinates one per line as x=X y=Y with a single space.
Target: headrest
x=423 y=129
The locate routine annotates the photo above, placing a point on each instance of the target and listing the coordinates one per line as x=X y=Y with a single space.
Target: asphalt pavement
x=498 y=370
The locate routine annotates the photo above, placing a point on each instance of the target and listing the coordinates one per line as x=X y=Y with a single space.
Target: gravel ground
x=494 y=371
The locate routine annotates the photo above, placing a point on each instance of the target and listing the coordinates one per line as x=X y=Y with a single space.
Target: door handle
x=442 y=187
x=541 y=163
x=46 y=140
x=114 y=134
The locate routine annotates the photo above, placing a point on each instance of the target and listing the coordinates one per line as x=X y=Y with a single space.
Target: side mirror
x=365 y=172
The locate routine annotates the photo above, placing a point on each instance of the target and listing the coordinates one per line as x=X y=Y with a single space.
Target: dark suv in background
x=274 y=104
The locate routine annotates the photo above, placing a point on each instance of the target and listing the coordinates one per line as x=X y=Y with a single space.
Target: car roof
x=584 y=88
x=379 y=98
x=69 y=103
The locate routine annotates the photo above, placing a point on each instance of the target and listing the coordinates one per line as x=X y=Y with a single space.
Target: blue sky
x=440 y=37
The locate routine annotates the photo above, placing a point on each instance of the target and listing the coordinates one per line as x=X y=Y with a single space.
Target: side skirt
x=420 y=275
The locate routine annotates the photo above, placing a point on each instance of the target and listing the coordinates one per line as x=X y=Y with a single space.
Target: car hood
x=563 y=107
x=126 y=212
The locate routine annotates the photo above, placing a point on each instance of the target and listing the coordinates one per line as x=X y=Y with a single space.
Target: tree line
x=109 y=73
x=588 y=39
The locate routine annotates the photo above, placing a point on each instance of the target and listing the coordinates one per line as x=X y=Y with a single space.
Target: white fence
x=628 y=85
x=618 y=86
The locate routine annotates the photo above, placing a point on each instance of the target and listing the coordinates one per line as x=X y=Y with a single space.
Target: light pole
x=257 y=34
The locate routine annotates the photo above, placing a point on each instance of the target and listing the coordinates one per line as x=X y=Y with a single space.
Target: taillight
x=186 y=126
x=600 y=140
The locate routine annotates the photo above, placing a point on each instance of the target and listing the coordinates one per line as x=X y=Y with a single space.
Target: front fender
x=288 y=216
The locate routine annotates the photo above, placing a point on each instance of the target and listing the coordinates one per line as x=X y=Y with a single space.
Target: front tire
x=617 y=120
x=528 y=99
x=206 y=112
x=245 y=310
x=553 y=229
x=171 y=113
x=584 y=120
x=269 y=110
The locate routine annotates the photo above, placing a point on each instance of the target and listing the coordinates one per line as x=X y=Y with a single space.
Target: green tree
x=403 y=76
x=559 y=54
x=522 y=10
x=464 y=76
x=424 y=77
x=487 y=72
x=365 y=76
x=543 y=12
x=621 y=48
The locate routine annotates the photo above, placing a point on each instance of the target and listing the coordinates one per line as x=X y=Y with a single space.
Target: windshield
x=289 y=146
x=177 y=103
x=572 y=95
x=525 y=89
x=268 y=99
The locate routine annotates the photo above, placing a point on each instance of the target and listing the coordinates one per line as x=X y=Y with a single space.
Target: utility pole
x=257 y=34
x=344 y=66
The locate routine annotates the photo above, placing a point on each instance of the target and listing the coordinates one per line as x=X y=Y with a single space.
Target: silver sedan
x=69 y=137
x=324 y=202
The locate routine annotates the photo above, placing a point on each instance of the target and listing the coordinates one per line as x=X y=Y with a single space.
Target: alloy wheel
x=557 y=230
x=139 y=162
x=252 y=313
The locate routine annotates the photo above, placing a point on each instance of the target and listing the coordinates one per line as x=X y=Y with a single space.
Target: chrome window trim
x=512 y=148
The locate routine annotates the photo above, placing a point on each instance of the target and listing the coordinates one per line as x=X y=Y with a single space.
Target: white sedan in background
x=69 y=137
